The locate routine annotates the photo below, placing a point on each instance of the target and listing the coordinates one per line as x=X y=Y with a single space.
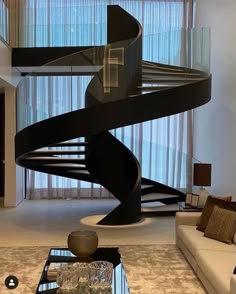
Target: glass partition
x=59 y=86
x=51 y=90
x=188 y=48
x=67 y=76
x=200 y=51
x=159 y=162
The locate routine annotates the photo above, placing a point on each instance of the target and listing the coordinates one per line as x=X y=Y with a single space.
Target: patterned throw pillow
x=225 y=198
x=208 y=208
x=221 y=225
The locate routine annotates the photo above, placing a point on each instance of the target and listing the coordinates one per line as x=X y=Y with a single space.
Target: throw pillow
x=202 y=200
x=208 y=208
x=221 y=225
x=225 y=198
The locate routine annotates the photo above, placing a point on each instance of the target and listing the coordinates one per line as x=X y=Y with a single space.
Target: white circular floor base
x=94 y=219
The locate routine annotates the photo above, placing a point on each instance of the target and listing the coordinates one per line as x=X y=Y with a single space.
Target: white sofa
x=212 y=261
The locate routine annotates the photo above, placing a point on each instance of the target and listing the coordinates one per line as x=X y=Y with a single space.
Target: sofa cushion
x=218 y=267
x=194 y=240
x=234 y=238
x=208 y=208
x=221 y=225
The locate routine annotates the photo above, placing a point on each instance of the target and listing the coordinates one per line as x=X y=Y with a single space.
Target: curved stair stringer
x=116 y=168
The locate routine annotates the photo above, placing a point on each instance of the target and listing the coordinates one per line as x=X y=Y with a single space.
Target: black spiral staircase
x=125 y=91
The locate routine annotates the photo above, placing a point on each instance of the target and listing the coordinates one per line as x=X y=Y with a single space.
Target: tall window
x=83 y=22
x=164 y=146
x=4 y=20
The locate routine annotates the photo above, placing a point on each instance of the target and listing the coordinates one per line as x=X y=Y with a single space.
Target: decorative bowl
x=82 y=243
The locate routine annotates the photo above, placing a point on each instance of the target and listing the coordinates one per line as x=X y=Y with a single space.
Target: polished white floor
x=48 y=222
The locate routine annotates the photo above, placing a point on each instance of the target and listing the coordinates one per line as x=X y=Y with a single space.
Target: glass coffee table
x=61 y=255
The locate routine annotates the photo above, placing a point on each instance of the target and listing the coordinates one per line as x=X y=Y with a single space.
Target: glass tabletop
x=111 y=254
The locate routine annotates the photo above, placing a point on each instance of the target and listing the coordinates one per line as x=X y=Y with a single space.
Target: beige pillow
x=221 y=225
x=225 y=198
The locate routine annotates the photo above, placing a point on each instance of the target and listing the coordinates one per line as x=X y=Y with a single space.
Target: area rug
x=150 y=269
x=159 y=269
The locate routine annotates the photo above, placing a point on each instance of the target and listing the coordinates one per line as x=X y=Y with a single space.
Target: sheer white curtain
x=163 y=146
x=4 y=22
x=50 y=23
x=46 y=23
x=51 y=96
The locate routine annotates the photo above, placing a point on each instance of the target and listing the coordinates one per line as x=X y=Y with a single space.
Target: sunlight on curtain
x=164 y=146
x=83 y=22
x=56 y=23
x=4 y=22
x=47 y=94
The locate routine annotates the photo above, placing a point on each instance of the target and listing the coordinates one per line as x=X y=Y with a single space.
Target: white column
x=14 y=175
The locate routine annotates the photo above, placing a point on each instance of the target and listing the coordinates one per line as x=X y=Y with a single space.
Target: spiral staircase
x=124 y=90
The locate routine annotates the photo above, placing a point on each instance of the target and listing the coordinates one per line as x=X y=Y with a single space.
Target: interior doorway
x=2 y=143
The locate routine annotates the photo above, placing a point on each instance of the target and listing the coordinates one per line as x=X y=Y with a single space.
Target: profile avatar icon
x=11 y=282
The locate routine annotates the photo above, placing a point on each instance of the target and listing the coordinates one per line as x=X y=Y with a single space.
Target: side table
x=182 y=207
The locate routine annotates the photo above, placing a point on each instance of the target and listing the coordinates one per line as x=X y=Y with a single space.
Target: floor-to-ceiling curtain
x=163 y=146
x=4 y=22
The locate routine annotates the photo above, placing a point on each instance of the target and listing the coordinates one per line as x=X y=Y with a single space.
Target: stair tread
x=161 y=208
x=156 y=196
x=48 y=160
x=154 y=72
x=57 y=152
x=150 y=64
x=85 y=172
x=65 y=165
x=151 y=204
x=52 y=158
x=152 y=87
x=68 y=144
x=165 y=79
x=144 y=186
x=144 y=91
x=162 y=84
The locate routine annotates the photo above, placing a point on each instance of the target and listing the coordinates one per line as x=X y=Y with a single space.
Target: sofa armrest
x=188 y=218
x=233 y=284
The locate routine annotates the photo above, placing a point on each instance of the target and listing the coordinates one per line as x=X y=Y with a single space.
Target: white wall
x=14 y=175
x=5 y=64
x=8 y=76
x=215 y=122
